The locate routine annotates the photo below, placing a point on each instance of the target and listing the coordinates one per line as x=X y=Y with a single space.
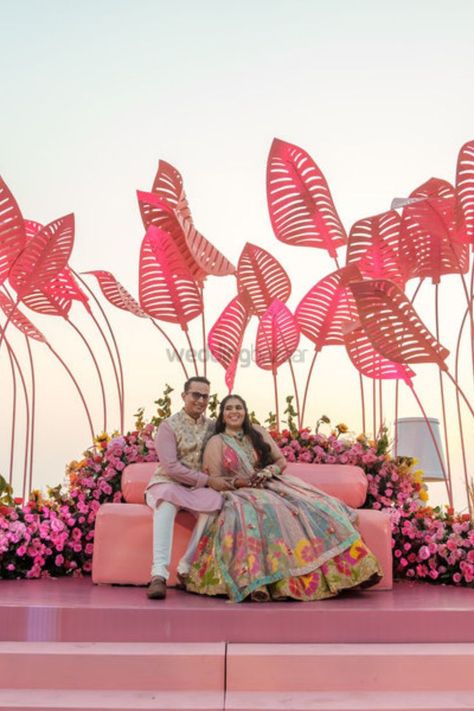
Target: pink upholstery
x=347 y=483
x=135 y=477
x=123 y=532
x=123 y=544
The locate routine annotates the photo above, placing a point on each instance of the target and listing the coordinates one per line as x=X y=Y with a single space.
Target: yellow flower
x=423 y=494
x=227 y=540
x=343 y=428
x=303 y=551
x=272 y=563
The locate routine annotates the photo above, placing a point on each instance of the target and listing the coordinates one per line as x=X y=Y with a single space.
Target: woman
x=276 y=537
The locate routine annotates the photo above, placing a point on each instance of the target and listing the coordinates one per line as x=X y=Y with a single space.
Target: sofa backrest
x=344 y=481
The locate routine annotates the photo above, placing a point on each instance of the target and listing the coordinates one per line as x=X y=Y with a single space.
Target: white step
x=100 y=700
x=350 y=701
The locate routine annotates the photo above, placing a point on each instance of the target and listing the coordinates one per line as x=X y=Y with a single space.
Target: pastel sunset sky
x=95 y=93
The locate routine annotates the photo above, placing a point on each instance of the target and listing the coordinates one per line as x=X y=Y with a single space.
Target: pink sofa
x=123 y=532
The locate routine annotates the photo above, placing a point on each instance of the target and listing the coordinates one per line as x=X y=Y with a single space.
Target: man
x=179 y=483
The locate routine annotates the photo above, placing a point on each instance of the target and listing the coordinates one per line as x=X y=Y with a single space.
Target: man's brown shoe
x=157 y=588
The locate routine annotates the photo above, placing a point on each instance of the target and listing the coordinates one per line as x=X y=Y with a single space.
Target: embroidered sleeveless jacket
x=191 y=437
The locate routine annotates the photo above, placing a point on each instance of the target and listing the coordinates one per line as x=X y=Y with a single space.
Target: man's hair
x=195 y=379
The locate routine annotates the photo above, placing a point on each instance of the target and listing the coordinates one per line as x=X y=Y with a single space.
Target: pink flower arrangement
x=434 y=545
x=54 y=535
x=391 y=482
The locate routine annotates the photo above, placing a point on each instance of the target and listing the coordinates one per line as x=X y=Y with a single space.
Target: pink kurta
x=178 y=480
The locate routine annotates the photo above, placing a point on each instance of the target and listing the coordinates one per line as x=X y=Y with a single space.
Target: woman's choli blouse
x=220 y=459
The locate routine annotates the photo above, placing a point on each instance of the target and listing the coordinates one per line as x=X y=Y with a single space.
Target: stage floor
x=76 y=610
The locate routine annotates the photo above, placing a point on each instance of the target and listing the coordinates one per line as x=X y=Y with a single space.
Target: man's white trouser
x=163 y=526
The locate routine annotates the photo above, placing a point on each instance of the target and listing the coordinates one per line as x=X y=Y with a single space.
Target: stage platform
x=69 y=645
x=76 y=610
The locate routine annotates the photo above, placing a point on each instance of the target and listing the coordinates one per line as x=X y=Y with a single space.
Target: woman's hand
x=260 y=477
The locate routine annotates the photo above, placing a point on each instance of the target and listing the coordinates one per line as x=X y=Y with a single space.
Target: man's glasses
x=197 y=396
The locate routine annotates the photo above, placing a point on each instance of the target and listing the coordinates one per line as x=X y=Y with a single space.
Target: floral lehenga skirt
x=287 y=540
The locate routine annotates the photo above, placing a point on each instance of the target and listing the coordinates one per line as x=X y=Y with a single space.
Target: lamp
x=413 y=439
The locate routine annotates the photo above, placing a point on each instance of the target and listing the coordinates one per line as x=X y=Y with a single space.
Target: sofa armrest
x=135 y=478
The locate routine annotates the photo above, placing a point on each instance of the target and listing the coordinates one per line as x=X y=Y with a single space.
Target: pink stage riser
x=69 y=645
x=75 y=610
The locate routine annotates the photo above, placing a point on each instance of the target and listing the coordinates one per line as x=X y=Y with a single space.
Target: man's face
x=195 y=399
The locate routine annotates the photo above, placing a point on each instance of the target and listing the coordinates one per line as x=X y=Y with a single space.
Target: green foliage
x=291 y=413
x=163 y=410
x=383 y=442
x=323 y=420
x=271 y=421
x=213 y=406
x=6 y=491
x=139 y=419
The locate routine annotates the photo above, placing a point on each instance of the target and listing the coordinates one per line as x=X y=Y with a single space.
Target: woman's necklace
x=238 y=435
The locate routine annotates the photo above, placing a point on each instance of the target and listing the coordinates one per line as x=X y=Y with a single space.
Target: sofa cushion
x=344 y=481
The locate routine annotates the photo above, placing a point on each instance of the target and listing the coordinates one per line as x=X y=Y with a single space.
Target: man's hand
x=240 y=482
x=218 y=483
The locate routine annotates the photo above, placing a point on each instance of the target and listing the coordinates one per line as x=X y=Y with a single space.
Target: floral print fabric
x=287 y=539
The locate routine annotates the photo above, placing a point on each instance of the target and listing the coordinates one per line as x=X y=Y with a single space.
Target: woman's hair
x=263 y=449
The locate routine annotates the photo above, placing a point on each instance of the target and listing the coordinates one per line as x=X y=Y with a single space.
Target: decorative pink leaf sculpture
x=19 y=320
x=167 y=288
x=429 y=228
x=373 y=245
x=277 y=336
x=206 y=256
x=116 y=294
x=465 y=190
x=46 y=304
x=434 y=188
x=367 y=360
x=157 y=212
x=64 y=286
x=32 y=228
x=226 y=336
x=326 y=307
x=12 y=230
x=261 y=278
x=168 y=185
x=392 y=325
x=56 y=297
x=301 y=208
x=44 y=256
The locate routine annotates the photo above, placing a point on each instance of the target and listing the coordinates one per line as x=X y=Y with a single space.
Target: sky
x=95 y=93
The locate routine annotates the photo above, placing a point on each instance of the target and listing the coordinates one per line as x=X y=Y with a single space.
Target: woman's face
x=234 y=413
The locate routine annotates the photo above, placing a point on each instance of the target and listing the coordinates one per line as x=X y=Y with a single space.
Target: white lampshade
x=414 y=439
